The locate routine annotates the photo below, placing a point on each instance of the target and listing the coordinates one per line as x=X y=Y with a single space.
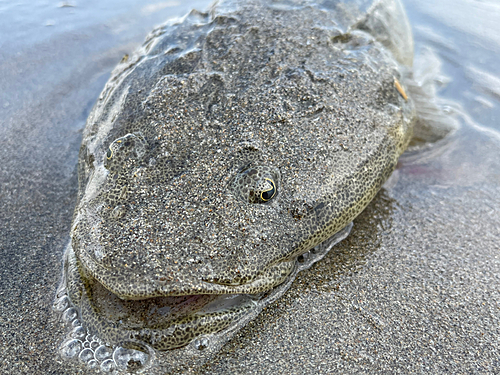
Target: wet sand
x=414 y=288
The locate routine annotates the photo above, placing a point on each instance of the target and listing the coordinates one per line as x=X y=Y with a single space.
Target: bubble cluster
x=90 y=351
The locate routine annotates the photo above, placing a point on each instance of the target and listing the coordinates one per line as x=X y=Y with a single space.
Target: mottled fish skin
x=231 y=143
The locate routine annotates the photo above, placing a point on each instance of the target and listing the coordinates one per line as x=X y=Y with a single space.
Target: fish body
x=231 y=145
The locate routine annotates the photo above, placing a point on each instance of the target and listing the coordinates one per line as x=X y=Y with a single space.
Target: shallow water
x=415 y=287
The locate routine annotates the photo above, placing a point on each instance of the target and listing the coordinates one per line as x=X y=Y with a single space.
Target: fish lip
x=139 y=287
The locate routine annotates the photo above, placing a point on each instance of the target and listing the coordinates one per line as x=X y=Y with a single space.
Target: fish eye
x=109 y=154
x=257 y=184
x=267 y=195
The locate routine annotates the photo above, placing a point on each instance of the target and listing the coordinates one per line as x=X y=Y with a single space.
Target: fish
x=231 y=151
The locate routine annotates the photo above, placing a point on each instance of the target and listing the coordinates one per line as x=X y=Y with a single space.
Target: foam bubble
x=61 y=291
x=130 y=359
x=76 y=323
x=86 y=355
x=201 y=343
x=108 y=365
x=61 y=304
x=94 y=345
x=70 y=314
x=78 y=333
x=103 y=352
x=70 y=348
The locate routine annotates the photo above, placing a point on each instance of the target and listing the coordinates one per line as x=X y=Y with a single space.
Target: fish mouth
x=109 y=332
x=164 y=323
x=112 y=333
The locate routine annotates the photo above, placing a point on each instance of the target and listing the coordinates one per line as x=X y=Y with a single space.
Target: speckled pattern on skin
x=231 y=143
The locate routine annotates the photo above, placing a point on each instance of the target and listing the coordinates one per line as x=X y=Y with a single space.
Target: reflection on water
x=465 y=35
